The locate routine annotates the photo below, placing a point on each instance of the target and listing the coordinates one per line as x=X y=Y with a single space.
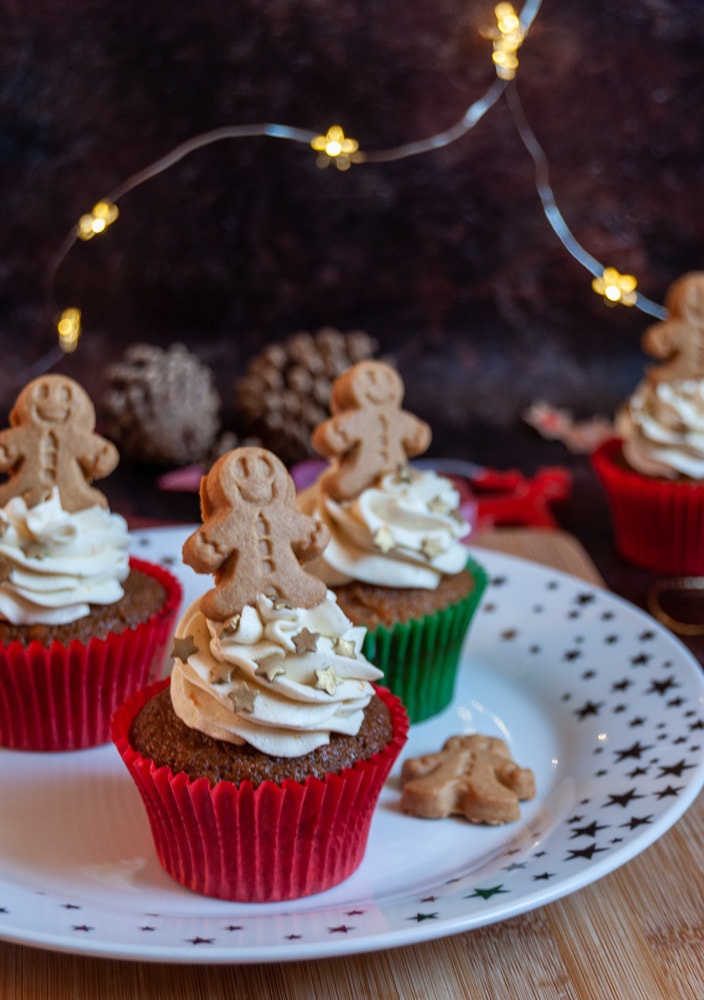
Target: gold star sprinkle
x=243 y=698
x=383 y=539
x=231 y=627
x=280 y=605
x=344 y=647
x=404 y=474
x=306 y=641
x=183 y=648
x=437 y=506
x=432 y=547
x=327 y=680
x=270 y=666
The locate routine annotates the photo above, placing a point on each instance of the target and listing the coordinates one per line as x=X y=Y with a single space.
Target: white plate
x=601 y=702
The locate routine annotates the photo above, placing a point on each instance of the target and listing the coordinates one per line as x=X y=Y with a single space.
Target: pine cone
x=161 y=406
x=285 y=392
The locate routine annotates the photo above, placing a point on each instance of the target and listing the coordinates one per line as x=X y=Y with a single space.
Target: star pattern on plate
x=622 y=691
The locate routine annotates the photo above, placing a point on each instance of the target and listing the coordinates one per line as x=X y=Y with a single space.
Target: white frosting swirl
x=404 y=532
x=662 y=429
x=281 y=679
x=56 y=563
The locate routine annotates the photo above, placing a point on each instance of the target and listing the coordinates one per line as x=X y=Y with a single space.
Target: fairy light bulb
x=69 y=330
x=95 y=222
x=335 y=147
x=615 y=287
x=507 y=37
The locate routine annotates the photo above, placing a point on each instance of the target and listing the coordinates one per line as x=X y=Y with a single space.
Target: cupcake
x=81 y=624
x=396 y=560
x=261 y=760
x=653 y=470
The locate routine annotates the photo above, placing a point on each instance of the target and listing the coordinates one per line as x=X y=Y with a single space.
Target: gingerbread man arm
x=337 y=436
x=308 y=536
x=416 y=434
x=207 y=548
x=10 y=449
x=97 y=457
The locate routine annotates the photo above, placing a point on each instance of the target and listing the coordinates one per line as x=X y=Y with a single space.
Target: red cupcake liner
x=658 y=525
x=62 y=697
x=264 y=844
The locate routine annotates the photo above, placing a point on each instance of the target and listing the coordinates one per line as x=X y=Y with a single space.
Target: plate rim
x=398 y=936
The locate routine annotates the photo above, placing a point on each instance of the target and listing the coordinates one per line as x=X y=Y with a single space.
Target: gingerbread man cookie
x=253 y=540
x=368 y=434
x=680 y=338
x=473 y=776
x=51 y=442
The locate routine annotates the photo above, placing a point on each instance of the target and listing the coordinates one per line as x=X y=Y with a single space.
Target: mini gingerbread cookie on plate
x=472 y=776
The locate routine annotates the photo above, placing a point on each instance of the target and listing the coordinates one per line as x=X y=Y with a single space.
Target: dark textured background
x=446 y=258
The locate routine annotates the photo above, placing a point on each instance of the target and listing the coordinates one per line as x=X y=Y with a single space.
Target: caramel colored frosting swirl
x=281 y=679
x=662 y=429
x=403 y=532
x=55 y=564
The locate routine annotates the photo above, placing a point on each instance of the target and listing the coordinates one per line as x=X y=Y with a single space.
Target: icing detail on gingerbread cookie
x=51 y=442
x=253 y=685
x=679 y=339
x=472 y=776
x=368 y=434
x=253 y=540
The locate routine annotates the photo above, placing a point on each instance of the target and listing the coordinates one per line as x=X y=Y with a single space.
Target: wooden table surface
x=636 y=933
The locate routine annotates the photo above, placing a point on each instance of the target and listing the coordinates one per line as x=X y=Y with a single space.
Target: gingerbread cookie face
x=253 y=540
x=51 y=442
x=472 y=776
x=679 y=339
x=369 y=434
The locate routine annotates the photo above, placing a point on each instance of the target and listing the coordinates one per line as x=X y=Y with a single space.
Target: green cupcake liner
x=420 y=657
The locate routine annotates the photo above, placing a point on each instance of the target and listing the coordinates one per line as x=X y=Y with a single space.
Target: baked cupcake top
x=662 y=424
x=390 y=524
x=266 y=657
x=61 y=549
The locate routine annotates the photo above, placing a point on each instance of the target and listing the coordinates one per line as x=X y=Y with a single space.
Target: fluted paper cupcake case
x=420 y=657
x=658 y=525
x=62 y=697
x=265 y=844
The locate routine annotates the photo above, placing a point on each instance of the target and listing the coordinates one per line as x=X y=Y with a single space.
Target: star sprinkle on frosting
x=271 y=666
x=327 y=680
x=437 y=506
x=243 y=698
x=383 y=539
x=344 y=647
x=230 y=627
x=183 y=647
x=306 y=641
x=432 y=547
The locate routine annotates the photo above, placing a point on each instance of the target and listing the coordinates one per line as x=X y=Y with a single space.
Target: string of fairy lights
x=344 y=152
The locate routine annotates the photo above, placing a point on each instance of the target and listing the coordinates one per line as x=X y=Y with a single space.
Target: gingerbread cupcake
x=396 y=559
x=653 y=471
x=261 y=762
x=81 y=624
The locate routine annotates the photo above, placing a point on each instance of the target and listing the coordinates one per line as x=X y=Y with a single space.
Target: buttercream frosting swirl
x=54 y=564
x=281 y=679
x=405 y=531
x=662 y=429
